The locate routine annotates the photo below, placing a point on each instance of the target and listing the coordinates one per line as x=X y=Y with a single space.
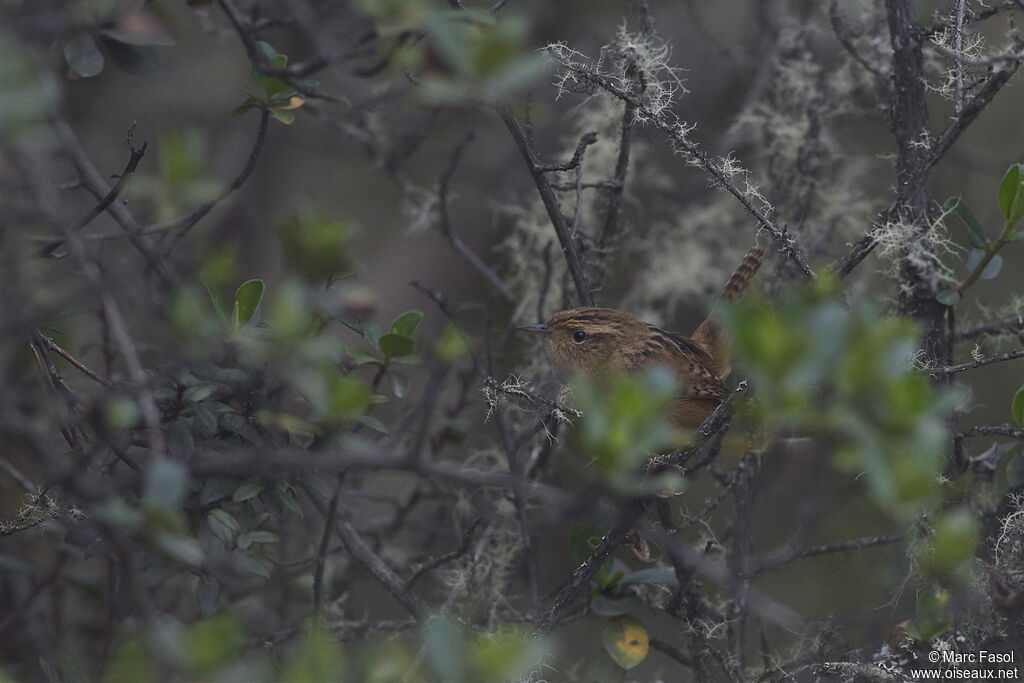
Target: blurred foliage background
x=265 y=415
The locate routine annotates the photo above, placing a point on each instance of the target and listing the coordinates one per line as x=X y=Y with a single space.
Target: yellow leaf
x=626 y=640
x=293 y=103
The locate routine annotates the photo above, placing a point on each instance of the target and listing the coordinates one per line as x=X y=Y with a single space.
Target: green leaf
x=264 y=537
x=583 y=539
x=374 y=424
x=407 y=323
x=1010 y=191
x=991 y=271
x=399 y=383
x=601 y=668
x=1017 y=407
x=975 y=233
x=84 y=56
x=605 y=606
x=267 y=49
x=505 y=655
x=974 y=258
x=395 y=345
x=444 y=647
x=348 y=398
x=138 y=60
x=317 y=659
x=663 y=576
x=626 y=640
x=208 y=595
x=213 y=643
x=166 y=484
x=931 y=619
x=199 y=393
x=154 y=38
x=955 y=535
x=251 y=103
x=948 y=297
x=1015 y=471
x=247 y=491
x=223 y=524
x=285 y=117
x=247 y=300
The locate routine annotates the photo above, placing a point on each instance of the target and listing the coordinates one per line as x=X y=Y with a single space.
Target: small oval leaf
x=1017 y=407
x=247 y=491
x=626 y=640
x=992 y=269
x=395 y=345
x=138 y=60
x=1015 y=471
x=247 y=300
x=399 y=384
x=948 y=297
x=974 y=258
x=407 y=323
x=1009 y=188
x=84 y=56
x=612 y=607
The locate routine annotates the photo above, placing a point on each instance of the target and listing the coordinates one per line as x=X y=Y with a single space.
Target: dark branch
x=950 y=369
x=135 y=156
x=547 y=194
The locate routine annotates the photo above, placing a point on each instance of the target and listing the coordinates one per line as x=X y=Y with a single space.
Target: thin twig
x=97 y=186
x=321 y=553
x=993 y=430
x=183 y=225
x=586 y=140
x=384 y=574
x=135 y=156
x=547 y=194
x=460 y=247
x=464 y=545
x=671 y=126
x=581 y=577
x=786 y=556
x=950 y=369
x=82 y=367
x=1011 y=325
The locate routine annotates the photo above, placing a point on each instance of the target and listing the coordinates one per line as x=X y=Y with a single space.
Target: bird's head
x=588 y=340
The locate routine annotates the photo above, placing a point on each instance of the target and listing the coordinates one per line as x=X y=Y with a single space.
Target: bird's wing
x=689 y=360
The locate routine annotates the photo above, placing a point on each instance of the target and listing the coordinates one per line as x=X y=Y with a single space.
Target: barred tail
x=744 y=272
x=708 y=334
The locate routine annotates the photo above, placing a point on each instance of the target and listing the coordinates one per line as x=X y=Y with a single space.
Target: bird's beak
x=536 y=328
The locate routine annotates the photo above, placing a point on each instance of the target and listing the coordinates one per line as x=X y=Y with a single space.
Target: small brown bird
x=599 y=342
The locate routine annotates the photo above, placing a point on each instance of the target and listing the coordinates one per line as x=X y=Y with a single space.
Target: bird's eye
x=578 y=336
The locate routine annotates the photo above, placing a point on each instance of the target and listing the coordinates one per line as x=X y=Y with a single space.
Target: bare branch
x=671 y=126
x=448 y=231
x=384 y=574
x=1011 y=325
x=993 y=430
x=570 y=249
x=950 y=369
x=135 y=156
